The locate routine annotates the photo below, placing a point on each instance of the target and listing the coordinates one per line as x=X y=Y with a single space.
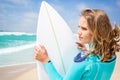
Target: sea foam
x=15 y=49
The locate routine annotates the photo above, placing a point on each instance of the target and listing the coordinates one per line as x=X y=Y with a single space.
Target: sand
x=28 y=75
x=26 y=71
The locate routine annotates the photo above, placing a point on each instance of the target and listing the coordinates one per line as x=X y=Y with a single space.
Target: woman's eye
x=84 y=28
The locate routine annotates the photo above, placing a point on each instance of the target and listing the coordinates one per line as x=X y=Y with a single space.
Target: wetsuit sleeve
x=75 y=71
x=52 y=72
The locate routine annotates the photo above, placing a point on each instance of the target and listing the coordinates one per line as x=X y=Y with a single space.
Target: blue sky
x=22 y=15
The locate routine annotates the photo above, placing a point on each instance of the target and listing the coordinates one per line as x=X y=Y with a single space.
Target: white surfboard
x=54 y=33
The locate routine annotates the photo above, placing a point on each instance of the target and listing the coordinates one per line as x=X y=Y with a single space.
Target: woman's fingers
x=81 y=45
x=43 y=50
x=36 y=48
x=39 y=50
x=41 y=54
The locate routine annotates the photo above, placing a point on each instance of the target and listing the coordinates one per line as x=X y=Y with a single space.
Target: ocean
x=16 y=48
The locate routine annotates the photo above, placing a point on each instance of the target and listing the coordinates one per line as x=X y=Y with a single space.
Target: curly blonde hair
x=105 y=38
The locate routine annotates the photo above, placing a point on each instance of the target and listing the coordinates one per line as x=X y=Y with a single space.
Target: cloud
x=57 y=7
x=107 y=8
x=73 y=23
x=24 y=3
x=81 y=6
x=23 y=22
x=5 y=5
x=27 y=22
x=54 y=0
x=69 y=15
x=118 y=3
x=18 y=15
x=16 y=5
x=29 y=19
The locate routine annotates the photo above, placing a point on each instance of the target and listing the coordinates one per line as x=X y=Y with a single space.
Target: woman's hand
x=81 y=46
x=41 y=54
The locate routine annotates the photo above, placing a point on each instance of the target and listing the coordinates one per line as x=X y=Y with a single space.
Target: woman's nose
x=79 y=32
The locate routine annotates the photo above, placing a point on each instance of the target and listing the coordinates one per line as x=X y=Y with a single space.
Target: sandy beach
x=28 y=71
x=28 y=75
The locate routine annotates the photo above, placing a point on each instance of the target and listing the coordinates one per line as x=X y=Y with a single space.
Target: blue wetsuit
x=89 y=68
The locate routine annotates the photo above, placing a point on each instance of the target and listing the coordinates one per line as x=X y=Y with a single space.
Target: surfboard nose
x=43 y=3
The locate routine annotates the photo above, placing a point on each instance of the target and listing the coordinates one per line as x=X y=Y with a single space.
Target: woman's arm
x=52 y=72
x=75 y=71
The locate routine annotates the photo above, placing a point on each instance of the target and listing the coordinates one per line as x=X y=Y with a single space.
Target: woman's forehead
x=82 y=21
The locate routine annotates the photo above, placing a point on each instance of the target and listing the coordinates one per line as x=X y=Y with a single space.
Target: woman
x=98 y=64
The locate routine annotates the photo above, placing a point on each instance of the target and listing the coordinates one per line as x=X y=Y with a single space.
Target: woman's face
x=83 y=31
